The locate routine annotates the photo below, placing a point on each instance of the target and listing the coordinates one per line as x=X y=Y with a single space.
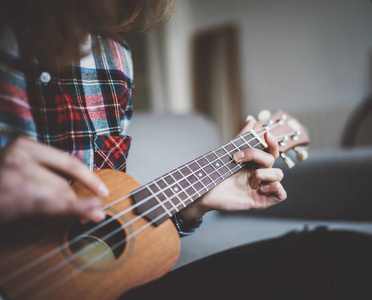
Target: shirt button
x=45 y=77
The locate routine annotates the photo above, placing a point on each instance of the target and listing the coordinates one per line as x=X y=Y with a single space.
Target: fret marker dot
x=200 y=174
x=176 y=189
x=217 y=164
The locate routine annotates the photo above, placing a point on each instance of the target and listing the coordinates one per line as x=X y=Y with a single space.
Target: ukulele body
x=40 y=259
x=44 y=259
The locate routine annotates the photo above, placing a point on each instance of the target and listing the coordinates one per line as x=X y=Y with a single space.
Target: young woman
x=66 y=84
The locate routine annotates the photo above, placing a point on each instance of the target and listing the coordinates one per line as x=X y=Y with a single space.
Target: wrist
x=186 y=228
x=192 y=212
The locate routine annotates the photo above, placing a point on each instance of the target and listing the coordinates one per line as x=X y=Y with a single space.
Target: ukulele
x=55 y=258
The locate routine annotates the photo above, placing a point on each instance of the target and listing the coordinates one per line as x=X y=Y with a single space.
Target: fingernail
x=98 y=215
x=265 y=188
x=103 y=190
x=239 y=156
x=270 y=136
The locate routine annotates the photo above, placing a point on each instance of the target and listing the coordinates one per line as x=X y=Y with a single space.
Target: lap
x=318 y=264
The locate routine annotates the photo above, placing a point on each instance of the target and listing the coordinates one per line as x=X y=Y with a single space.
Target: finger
x=265 y=175
x=248 y=126
x=88 y=209
x=273 y=146
x=264 y=159
x=52 y=195
x=66 y=164
x=274 y=189
x=51 y=202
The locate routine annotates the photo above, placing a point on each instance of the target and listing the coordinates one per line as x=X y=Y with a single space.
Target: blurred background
x=215 y=62
x=228 y=59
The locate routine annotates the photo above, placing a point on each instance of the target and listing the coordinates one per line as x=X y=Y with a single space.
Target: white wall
x=309 y=57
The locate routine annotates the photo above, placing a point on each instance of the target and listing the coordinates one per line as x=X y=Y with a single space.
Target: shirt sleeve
x=186 y=228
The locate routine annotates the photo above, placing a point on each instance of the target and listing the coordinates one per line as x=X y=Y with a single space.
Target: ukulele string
x=118 y=215
x=56 y=250
x=102 y=254
x=102 y=224
x=28 y=249
x=61 y=264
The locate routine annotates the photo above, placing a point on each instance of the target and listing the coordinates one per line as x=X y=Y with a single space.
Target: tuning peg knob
x=264 y=115
x=250 y=118
x=288 y=161
x=302 y=155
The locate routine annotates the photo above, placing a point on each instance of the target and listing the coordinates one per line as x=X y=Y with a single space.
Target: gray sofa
x=333 y=188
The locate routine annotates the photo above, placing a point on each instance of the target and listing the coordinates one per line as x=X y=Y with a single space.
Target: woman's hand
x=250 y=188
x=34 y=179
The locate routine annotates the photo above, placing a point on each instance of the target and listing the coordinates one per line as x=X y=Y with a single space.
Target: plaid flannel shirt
x=84 y=109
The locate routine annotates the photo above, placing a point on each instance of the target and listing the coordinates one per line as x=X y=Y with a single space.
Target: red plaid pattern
x=111 y=152
x=83 y=110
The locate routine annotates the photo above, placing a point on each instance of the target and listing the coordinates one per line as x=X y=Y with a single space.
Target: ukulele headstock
x=290 y=133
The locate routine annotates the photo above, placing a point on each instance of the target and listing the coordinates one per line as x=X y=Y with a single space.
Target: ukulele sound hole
x=97 y=245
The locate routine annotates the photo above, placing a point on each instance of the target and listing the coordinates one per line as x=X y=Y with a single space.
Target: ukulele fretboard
x=170 y=193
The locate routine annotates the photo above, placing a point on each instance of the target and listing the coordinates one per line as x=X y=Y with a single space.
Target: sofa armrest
x=333 y=184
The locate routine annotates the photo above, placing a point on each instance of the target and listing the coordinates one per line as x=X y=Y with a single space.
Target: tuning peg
x=264 y=115
x=250 y=118
x=288 y=161
x=302 y=155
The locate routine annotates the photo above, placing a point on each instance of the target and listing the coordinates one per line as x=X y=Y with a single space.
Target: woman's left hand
x=256 y=186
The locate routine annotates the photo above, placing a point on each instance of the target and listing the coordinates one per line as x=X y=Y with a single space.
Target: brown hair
x=53 y=30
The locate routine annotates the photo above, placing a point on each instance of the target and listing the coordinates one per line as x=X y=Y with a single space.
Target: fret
x=177 y=175
x=252 y=141
x=239 y=143
x=172 y=193
x=188 y=182
x=148 y=206
x=211 y=159
x=227 y=158
x=162 y=198
x=199 y=188
x=202 y=162
x=160 y=184
x=192 y=186
x=165 y=195
x=191 y=179
x=184 y=198
x=215 y=162
x=193 y=166
x=213 y=172
x=168 y=180
x=205 y=179
x=192 y=192
x=220 y=152
x=248 y=139
x=229 y=148
x=223 y=168
x=177 y=189
x=185 y=171
x=236 y=148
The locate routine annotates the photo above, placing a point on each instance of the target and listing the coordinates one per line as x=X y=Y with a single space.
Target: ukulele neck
x=162 y=198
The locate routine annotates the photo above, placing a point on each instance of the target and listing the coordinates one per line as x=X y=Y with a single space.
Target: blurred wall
x=311 y=58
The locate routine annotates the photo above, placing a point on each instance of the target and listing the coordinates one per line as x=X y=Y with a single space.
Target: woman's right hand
x=34 y=180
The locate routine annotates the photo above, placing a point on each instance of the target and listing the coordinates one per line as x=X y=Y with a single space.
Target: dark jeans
x=318 y=264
